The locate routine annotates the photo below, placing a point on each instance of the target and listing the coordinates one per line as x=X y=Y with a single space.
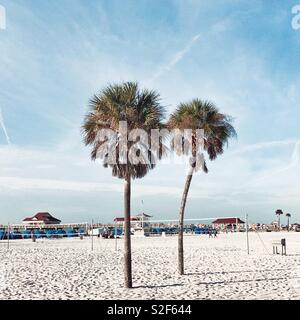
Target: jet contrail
x=176 y=59
x=2 y=124
x=295 y=156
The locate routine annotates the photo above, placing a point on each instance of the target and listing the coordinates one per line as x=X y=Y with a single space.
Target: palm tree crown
x=201 y=114
x=141 y=109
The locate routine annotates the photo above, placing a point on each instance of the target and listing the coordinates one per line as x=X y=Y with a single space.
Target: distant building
x=138 y=221
x=41 y=218
x=228 y=223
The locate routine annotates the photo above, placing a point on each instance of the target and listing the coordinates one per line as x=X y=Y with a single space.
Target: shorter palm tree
x=278 y=213
x=217 y=131
x=288 y=215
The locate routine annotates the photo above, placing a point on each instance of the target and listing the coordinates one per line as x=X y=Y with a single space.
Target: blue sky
x=54 y=55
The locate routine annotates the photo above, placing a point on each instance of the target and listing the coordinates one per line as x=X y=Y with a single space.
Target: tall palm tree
x=278 y=213
x=141 y=109
x=288 y=215
x=217 y=130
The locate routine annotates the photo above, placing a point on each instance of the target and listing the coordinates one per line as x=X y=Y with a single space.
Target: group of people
x=213 y=233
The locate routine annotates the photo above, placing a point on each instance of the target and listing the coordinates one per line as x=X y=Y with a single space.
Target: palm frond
x=202 y=114
x=124 y=102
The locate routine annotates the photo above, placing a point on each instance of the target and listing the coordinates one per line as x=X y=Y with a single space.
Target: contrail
x=174 y=61
x=4 y=128
x=295 y=156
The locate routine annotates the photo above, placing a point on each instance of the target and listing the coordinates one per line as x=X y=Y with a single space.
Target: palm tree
x=140 y=109
x=278 y=213
x=217 y=128
x=288 y=215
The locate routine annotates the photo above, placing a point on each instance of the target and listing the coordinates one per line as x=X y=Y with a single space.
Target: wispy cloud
x=2 y=123
x=175 y=60
x=264 y=145
x=22 y=184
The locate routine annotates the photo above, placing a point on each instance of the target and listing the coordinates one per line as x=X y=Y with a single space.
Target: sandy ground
x=215 y=268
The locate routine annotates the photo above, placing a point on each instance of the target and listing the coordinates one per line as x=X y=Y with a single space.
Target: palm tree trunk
x=181 y=222
x=127 y=233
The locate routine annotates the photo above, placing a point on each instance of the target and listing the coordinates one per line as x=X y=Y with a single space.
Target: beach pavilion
x=140 y=220
x=41 y=218
x=233 y=224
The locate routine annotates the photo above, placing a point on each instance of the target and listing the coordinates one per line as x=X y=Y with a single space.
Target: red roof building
x=228 y=221
x=41 y=218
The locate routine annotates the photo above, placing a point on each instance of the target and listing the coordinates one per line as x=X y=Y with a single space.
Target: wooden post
x=247 y=234
x=8 y=231
x=116 y=240
x=92 y=233
x=283 y=247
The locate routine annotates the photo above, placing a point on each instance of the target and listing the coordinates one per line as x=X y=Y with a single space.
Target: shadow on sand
x=234 y=272
x=242 y=281
x=159 y=286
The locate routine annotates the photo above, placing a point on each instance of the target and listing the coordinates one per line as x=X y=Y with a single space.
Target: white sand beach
x=215 y=268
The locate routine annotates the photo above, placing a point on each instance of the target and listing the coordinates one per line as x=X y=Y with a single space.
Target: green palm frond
x=202 y=114
x=123 y=102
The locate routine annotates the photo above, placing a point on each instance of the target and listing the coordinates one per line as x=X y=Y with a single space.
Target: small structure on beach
x=140 y=219
x=228 y=223
x=41 y=218
x=139 y=223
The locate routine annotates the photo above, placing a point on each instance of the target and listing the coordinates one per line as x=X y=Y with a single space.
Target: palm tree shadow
x=158 y=286
x=242 y=281
x=229 y=272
